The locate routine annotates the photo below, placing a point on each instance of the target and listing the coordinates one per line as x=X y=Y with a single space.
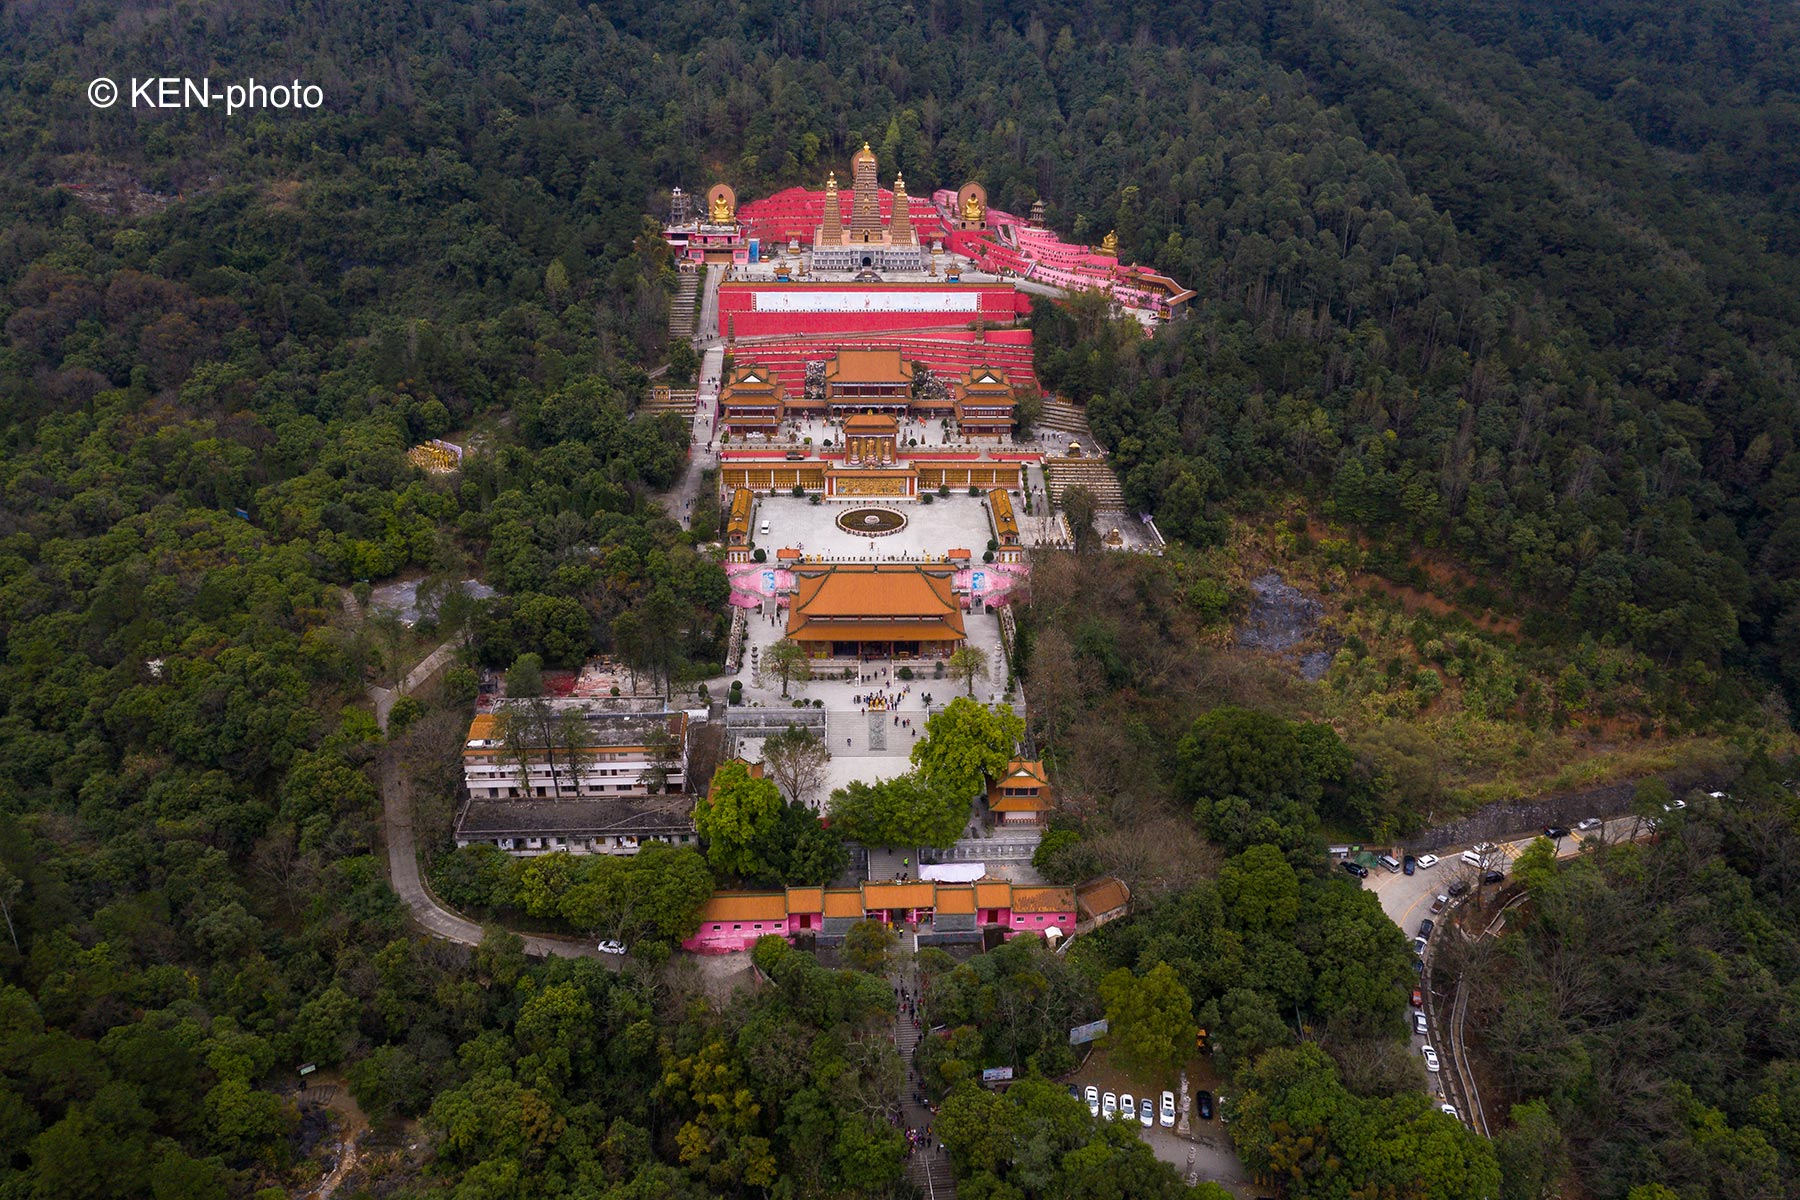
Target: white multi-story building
x=626 y=785
x=617 y=757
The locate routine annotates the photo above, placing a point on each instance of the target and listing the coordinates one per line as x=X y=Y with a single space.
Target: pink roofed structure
x=1006 y=244
x=795 y=214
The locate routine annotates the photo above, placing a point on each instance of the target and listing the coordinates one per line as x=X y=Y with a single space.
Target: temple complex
x=868 y=243
x=876 y=611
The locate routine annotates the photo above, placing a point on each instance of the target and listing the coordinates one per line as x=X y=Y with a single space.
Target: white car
x=1127 y=1106
x=1425 y=862
x=1419 y=1024
x=1109 y=1106
x=1093 y=1100
x=611 y=947
x=1449 y=1110
x=1168 y=1109
x=1431 y=1062
x=1146 y=1114
x=1587 y=823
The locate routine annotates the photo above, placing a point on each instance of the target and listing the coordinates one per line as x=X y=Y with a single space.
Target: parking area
x=1205 y=1152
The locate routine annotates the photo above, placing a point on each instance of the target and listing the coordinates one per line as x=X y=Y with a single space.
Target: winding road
x=403 y=852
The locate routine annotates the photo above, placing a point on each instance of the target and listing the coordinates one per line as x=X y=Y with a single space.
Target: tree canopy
x=967 y=745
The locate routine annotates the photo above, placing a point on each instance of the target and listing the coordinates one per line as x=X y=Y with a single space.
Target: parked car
x=1556 y=832
x=1419 y=1025
x=1389 y=861
x=1146 y=1114
x=1493 y=877
x=1587 y=823
x=1408 y=864
x=1109 y=1106
x=1449 y=1110
x=1074 y=1091
x=1168 y=1110
x=1427 y=861
x=1431 y=1060
x=611 y=947
x=1356 y=869
x=1442 y=901
x=1093 y=1100
x=1419 y=946
x=1426 y=926
x=1127 y=1106
x=1203 y=1104
x=1418 y=965
x=1459 y=888
x=1418 y=998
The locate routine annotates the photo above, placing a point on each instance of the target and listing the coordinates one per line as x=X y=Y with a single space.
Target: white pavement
x=930 y=531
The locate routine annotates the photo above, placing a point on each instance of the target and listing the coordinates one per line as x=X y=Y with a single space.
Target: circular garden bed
x=871 y=522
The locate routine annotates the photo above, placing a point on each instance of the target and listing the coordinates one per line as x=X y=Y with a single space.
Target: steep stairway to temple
x=681 y=307
x=1060 y=415
x=1061 y=474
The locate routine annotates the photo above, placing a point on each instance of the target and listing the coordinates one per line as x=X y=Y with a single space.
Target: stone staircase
x=1067 y=418
x=1095 y=474
x=929 y=1169
x=680 y=401
x=682 y=309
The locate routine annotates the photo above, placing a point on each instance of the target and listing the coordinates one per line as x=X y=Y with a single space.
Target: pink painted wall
x=1038 y=922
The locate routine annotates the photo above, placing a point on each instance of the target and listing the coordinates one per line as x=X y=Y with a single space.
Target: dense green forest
x=1513 y=283
x=1646 y=1005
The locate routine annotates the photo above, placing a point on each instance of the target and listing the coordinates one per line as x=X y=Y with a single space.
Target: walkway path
x=403 y=850
x=928 y=1166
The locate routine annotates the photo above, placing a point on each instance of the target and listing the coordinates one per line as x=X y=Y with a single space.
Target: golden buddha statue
x=719 y=210
x=971 y=209
x=1109 y=245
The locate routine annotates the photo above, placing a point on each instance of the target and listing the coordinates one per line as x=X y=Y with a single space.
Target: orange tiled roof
x=745 y=906
x=868 y=366
x=1004 y=520
x=870 y=423
x=1104 y=896
x=843 y=902
x=997 y=894
x=805 y=900
x=867 y=590
x=1006 y=804
x=481 y=729
x=898 y=895
x=1043 y=899
x=955 y=900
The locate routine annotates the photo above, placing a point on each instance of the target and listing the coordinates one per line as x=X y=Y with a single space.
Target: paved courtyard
x=931 y=529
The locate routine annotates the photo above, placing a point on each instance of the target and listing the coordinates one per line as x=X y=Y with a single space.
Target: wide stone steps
x=1061 y=474
x=681 y=308
x=1060 y=414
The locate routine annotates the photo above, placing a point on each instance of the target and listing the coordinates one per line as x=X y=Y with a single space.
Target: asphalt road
x=403 y=850
x=1407 y=898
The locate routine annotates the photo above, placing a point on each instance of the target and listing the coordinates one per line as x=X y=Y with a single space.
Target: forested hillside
x=1516 y=285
